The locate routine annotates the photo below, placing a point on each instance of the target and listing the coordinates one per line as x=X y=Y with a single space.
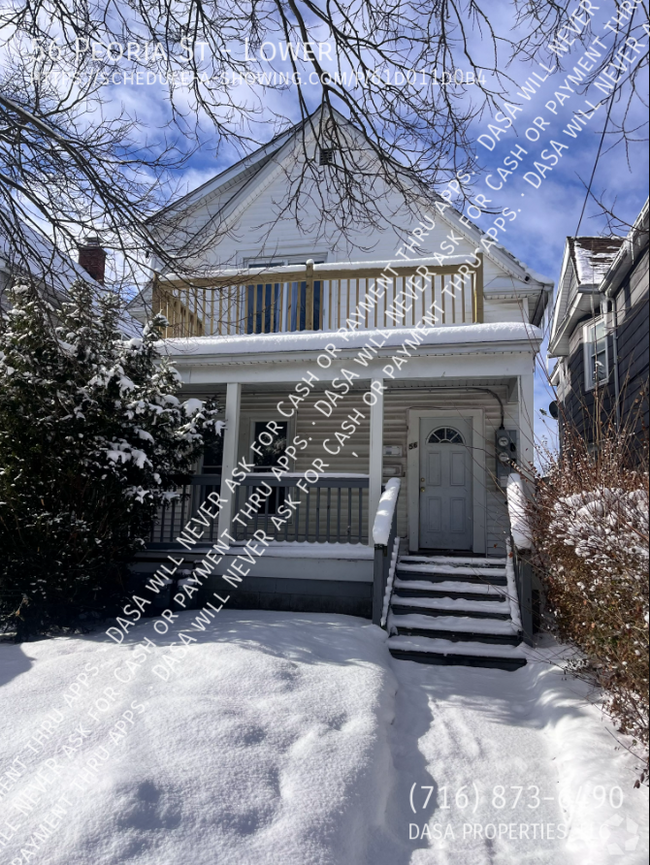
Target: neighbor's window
x=596 y=354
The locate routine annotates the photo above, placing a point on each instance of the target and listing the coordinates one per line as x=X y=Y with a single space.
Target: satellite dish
x=553 y=410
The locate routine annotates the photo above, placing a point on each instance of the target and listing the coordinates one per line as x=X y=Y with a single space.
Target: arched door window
x=445 y=435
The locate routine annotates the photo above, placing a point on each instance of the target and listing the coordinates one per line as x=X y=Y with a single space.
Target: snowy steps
x=442 y=606
x=449 y=589
x=446 y=610
x=444 y=573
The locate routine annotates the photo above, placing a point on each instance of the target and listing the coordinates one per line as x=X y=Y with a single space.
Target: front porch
x=341 y=454
x=363 y=368
x=314 y=455
x=317 y=559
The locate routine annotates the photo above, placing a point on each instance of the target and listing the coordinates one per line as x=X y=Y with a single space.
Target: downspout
x=617 y=382
x=592 y=293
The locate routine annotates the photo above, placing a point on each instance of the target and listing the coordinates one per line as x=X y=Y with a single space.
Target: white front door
x=446 y=503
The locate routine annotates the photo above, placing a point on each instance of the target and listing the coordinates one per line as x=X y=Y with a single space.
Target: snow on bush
x=590 y=526
x=92 y=441
x=605 y=526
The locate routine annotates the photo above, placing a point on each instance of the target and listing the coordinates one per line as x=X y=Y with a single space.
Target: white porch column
x=527 y=420
x=376 y=452
x=230 y=452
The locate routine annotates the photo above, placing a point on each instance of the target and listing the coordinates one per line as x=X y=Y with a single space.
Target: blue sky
x=552 y=212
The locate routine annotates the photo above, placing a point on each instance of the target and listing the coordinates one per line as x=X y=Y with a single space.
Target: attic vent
x=326 y=156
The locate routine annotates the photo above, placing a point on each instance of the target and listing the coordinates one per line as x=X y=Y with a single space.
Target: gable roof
x=586 y=266
x=234 y=177
x=231 y=191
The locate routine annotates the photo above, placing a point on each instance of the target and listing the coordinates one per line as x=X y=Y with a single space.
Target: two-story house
x=600 y=335
x=370 y=379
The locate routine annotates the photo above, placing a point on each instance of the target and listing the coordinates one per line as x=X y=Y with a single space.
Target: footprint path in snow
x=494 y=761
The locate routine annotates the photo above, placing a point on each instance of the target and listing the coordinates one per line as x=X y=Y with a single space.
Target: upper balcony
x=323 y=297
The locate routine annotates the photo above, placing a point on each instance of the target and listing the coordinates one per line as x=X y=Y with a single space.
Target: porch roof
x=384 y=340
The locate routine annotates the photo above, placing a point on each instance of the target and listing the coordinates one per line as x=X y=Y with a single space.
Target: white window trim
x=590 y=382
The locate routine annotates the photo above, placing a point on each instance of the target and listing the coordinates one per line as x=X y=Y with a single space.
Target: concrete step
x=443 y=652
x=448 y=574
x=457 y=561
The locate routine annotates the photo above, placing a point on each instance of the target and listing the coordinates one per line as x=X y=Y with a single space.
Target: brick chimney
x=93 y=258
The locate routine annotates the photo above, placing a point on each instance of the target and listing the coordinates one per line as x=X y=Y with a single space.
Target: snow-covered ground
x=286 y=739
x=524 y=769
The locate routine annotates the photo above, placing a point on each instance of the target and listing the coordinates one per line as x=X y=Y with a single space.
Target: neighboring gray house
x=600 y=333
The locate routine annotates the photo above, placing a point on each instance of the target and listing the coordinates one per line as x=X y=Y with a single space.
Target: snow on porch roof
x=472 y=334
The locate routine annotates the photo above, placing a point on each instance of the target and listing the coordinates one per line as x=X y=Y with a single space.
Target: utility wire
x=602 y=139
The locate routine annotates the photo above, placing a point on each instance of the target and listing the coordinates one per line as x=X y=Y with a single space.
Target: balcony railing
x=320 y=297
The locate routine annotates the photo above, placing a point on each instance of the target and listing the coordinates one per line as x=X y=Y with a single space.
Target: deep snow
x=287 y=739
x=535 y=728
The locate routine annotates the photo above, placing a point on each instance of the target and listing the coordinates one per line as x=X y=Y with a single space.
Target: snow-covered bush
x=92 y=441
x=590 y=522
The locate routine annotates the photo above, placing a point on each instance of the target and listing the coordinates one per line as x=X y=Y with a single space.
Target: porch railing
x=334 y=509
x=173 y=517
x=316 y=297
x=331 y=510
x=386 y=543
